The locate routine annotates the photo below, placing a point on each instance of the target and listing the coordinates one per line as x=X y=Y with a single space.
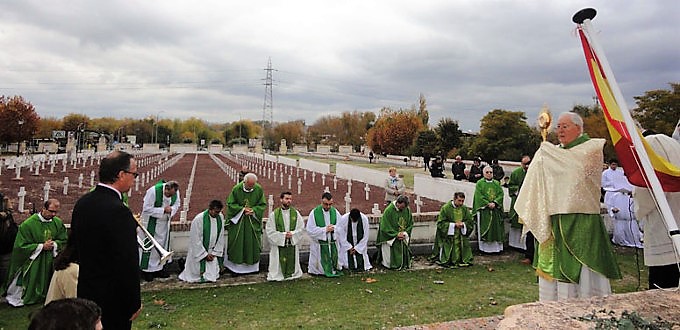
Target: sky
x=208 y=59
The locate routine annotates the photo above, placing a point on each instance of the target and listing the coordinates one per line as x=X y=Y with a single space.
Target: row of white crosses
x=187 y=194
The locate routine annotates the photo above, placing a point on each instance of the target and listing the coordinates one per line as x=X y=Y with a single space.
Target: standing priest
x=161 y=203
x=38 y=241
x=245 y=207
x=285 y=228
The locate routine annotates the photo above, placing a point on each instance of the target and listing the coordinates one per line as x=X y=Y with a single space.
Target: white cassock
x=317 y=234
x=162 y=229
x=361 y=247
x=277 y=238
x=196 y=253
x=618 y=197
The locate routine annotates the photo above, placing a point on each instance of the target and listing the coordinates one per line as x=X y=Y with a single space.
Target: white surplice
x=361 y=247
x=277 y=238
x=196 y=252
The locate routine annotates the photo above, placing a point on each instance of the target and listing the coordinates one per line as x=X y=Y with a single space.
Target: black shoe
x=147 y=276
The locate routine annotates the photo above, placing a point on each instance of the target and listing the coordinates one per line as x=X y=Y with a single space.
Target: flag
x=668 y=174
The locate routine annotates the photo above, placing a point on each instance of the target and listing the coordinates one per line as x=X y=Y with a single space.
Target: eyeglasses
x=135 y=174
x=51 y=211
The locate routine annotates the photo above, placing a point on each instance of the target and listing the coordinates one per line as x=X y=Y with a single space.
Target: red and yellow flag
x=668 y=174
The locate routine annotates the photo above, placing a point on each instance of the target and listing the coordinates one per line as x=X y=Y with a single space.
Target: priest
x=324 y=246
x=488 y=205
x=454 y=225
x=40 y=238
x=353 y=232
x=245 y=208
x=206 y=245
x=394 y=235
x=285 y=228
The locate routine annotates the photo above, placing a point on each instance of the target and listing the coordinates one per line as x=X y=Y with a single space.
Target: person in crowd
x=39 y=240
x=104 y=233
x=69 y=313
x=353 y=233
x=245 y=208
x=206 y=245
x=620 y=205
x=426 y=160
x=161 y=203
x=285 y=228
x=659 y=254
x=515 y=235
x=394 y=235
x=498 y=172
x=488 y=206
x=64 y=283
x=370 y=156
x=394 y=186
x=458 y=169
x=437 y=167
x=242 y=173
x=454 y=225
x=8 y=233
x=324 y=246
x=475 y=170
x=560 y=204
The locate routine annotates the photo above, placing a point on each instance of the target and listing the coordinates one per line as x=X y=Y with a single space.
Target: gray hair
x=250 y=176
x=575 y=119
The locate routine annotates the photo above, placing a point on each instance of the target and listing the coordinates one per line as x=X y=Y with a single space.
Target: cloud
x=182 y=59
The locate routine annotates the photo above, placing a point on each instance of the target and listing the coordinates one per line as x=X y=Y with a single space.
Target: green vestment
x=35 y=274
x=453 y=250
x=515 y=183
x=245 y=237
x=287 y=252
x=577 y=239
x=490 y=220
x=392 y=223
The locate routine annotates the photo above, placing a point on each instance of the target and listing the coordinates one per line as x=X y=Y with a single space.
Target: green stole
x=360 y=235
x=286 y=252
x=206 y=237
x=151 y=226
x=328 y=249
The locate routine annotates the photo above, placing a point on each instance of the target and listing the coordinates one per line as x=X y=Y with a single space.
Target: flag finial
x=584 y=14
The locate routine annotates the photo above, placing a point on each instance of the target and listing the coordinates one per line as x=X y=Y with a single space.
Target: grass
x=396 y=299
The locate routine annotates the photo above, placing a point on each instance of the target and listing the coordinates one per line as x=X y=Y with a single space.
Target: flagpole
x=583 y=19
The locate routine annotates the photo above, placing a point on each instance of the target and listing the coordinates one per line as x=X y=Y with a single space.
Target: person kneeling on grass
x=394 y=235
x=207 y=245
x=452 y=242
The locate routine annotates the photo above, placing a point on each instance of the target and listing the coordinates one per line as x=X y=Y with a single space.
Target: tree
x=46 y=126
x=243 y=129
x=347 y=129
x=422 y=110
x=75 y=122
x=292 y=131
x=426 y=143
x=658 y=110
x=449 y=135
x=18 y=118
x=394 y=131
x=504 y=135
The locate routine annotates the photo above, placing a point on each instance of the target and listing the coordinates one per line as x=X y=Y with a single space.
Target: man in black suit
x=104 y=232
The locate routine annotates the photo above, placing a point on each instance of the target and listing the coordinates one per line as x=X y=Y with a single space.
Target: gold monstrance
x=544 y=121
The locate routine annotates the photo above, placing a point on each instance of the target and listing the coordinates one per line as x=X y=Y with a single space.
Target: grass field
x=395 y=299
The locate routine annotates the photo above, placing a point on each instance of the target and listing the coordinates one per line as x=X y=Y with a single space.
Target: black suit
x=105 y=236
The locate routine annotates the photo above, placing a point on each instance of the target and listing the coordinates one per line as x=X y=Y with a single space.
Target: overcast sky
x=207 y=59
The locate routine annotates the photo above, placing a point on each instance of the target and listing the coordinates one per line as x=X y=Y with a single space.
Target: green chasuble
x=245 y=237
x=490 y=220
x=328 y=249
x=287 y=252
x=577 y=239
x=453 y=250
x=392 y=223
x=515 y=183
x=35 y=275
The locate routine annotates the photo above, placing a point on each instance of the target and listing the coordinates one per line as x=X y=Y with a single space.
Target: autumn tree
x=292 y=131
x=19 y=119
x=394 y=131
x=659 y=110
x=46 y=126
x=75 y=122
x=347 y=129
x=504 y=135
x=240 y=131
